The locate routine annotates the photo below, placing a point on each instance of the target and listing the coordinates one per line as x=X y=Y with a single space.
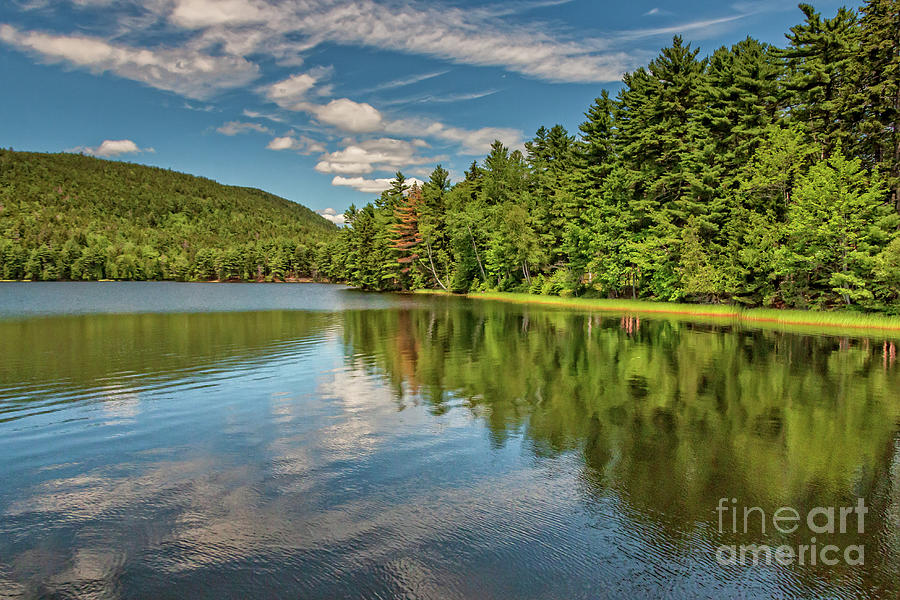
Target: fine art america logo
x=821 y=521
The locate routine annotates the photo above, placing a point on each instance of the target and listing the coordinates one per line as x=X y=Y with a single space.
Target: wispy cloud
x=238 y=127
x=693 y=26
x=222 y=30
x=473 y=36
x=471 y=141
x=405 y=81
x=439 y=99
x=200 y=107
x=190 y=73
x=255 y=114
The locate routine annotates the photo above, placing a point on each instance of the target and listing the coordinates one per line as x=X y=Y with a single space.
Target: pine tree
x=659 y=137
x=554 y=204
x=819 y=61
x=838 y=223
x=741 y=98
x=433 y=226
x=407 y=238
x=596 y=154
x=390 y=272
x=466 y=212
x=877 y=96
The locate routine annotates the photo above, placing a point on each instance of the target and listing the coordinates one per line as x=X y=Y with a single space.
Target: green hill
x=68 y=216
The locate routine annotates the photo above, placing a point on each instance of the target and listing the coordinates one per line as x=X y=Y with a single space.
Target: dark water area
x=309 y=441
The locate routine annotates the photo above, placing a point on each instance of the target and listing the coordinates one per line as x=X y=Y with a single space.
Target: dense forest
x=68 y=216
x=757 y=175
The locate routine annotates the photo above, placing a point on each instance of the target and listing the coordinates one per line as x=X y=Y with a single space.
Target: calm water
x=307 y=441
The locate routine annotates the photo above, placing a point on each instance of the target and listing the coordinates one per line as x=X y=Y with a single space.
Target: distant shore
x=804 y=321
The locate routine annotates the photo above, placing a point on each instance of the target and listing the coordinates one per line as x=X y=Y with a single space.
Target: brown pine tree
x=406 y=230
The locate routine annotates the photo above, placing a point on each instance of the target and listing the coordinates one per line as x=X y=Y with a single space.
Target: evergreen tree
x=551 y=158
x=838 y=222
x=819 y=61
x=741 y=98
x=877 y=97
x=407 y=238
x=596 y=153
x=433 y=226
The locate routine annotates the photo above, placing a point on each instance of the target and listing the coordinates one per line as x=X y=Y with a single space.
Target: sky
x=322 y=101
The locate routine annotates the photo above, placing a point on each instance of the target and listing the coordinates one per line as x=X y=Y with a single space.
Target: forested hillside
x=756 y=175
x=68 y=216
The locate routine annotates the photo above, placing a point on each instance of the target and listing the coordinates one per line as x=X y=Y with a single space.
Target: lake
x=166 y=440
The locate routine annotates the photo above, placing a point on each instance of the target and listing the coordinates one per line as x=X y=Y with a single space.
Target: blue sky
x=321 y=101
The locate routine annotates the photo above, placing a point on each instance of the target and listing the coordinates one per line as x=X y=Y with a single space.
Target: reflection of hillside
x=672 y=416
x=54 y=355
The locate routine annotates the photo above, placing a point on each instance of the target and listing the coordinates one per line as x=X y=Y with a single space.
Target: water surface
x=211 y=440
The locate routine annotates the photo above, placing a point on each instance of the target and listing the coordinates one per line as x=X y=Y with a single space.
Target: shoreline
x=766 y=318
x=774 y=319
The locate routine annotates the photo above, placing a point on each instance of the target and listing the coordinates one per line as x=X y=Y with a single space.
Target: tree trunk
x=433 y=270
x=844 y=268
x=478 y=258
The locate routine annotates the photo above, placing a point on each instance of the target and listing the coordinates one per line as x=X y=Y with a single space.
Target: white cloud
x=333 y=216
x=360 y=117
x=237 y=41
x=111 y=148
x=194 y=14
x=370 y=155
x=186 y=72
x=237 y=127
x=301 y=144
x=369 y=186
x=289 y=93
x=347 y=115
x=281 y=143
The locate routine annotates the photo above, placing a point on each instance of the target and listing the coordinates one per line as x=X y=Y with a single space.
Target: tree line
x=71 y=217
x=758 y=175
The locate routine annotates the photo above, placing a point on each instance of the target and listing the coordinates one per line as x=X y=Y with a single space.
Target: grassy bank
x=835 y=322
